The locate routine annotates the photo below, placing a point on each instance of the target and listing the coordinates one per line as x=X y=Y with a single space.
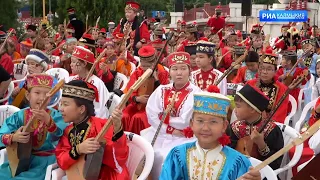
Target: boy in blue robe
x=47 y=127
x=208 y=157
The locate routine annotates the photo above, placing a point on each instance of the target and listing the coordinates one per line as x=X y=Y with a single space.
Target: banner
x=283 y=15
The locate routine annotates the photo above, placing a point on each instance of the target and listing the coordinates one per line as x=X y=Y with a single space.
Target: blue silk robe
x=44 y=141
x=190 y=161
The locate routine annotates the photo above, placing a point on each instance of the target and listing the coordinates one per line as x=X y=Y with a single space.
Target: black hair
x=252 y=57
x=213 y=62
x=292 y=59
x=237 y=98
x=88 y=105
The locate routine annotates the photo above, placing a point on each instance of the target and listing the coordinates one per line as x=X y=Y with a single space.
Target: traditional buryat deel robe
x=272 y=136
x=274 y=91
x=217 y=23
x=115 y=153
x=204 y=79
x=227 y=59
x=179 y=119
x=190 y=161
x=44 y=140
x=134 y=119
x=100 y=106
x=244 y=75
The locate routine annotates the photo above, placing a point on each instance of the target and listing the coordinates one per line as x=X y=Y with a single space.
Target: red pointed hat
x=83 y=54
x=147 y=53
x=71 y=10
x=103 y=30
x=178 y=58
x=132 y=5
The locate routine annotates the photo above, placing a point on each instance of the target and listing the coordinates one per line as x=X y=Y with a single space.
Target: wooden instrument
x=148 y=87
x=229 y=70
x=87 y=17
x=164 y=115
x=95 y=64
x=288 y=78
x=19 y=153
x=245 y=145
x=20 y=99
x=88 y=166
x=5 y=41
x=297 y=141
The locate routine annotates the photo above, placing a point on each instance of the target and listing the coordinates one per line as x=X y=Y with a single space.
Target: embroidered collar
x=84 y=121
x=254 y=122
x=183 y=87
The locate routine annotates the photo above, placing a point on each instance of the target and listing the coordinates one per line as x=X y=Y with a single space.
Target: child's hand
x=21 y=137
x=41 y=115
x=258 y=138
x=116 y=118
x=88 y=146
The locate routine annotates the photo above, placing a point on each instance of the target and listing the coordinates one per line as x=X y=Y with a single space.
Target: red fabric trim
x=170 y=129
x=7 y=139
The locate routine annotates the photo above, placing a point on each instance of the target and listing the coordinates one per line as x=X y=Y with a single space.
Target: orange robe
x=115 y=153
x=135 y=120
x=274 y=91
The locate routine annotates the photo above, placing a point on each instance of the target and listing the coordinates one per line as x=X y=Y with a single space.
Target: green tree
x=9 y=13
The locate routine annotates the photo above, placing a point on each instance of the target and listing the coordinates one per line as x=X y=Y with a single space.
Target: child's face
x=207 y=33
x=77 y=66
x=266 y=72
x=242 y=110
x=110 y=50
x=69 y=109
x=193 y=60
x=252 y=66
x=36 y=96
x=257 y=42
x=318 y=69
x=180 y=73
x=202 y=60
x=70 y=47
x=284 y=62
x=34 y=67
x=208 y=128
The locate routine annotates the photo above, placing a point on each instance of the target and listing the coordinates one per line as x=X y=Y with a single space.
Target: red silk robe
x=6 y=63
x=135 y=120
x=242 y=76
x=217 y=23
x=115 y=152
x=274 y=91
x=227 y=59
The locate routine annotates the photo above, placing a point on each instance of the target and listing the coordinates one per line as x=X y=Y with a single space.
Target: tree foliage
x=9 y=13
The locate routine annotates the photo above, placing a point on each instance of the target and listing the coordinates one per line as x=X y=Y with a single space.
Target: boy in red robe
x=217 y=22
x=134 y=117
x=271 y=87
x=79 y=137
x=191 y=37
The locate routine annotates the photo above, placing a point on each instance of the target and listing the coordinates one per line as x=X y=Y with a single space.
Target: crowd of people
x=184 y=109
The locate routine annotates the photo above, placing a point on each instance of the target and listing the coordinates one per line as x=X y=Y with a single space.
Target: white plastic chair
x=9 y=92
x=288 y=135
x=20 y=71
x=113 y=102
x=6 y=111
x=3 y=156
x=266 y=172
x=138 y=147
x=293 y=110
x=133 y=67
x=303 y=115
x=58 y=73
x=57 y=100
x=119 y=80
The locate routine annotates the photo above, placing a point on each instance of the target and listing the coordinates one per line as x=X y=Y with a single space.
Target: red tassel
x=224 y=139
x=213 y=89
x=94 y=88
x=188 y=133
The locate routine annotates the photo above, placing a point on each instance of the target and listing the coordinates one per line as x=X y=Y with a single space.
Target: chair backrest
x=133 y=67
x=266 y=172
x=232 y=88
x=293 y=110
x=303 y=115
x=20 y=71
x=288 y=135
x=58 y=73
x=138 y=147
x=55 y=102
x=9 y=92
x=113 y=102
x=6 y=111
x=120 y=81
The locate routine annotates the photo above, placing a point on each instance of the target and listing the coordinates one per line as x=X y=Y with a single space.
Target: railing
x=198 y=13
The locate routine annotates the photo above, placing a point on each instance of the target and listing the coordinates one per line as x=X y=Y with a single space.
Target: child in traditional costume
x=248 y=71
x=37 y=62
x=171 y=133
x=316 y=87
x=192 y=50
x=208 y=157
x=250 y=104
x=207 y=74
x=134 y=115
x=47 y=127
x=270 y=86
x=82 y=60
x=78 y=139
